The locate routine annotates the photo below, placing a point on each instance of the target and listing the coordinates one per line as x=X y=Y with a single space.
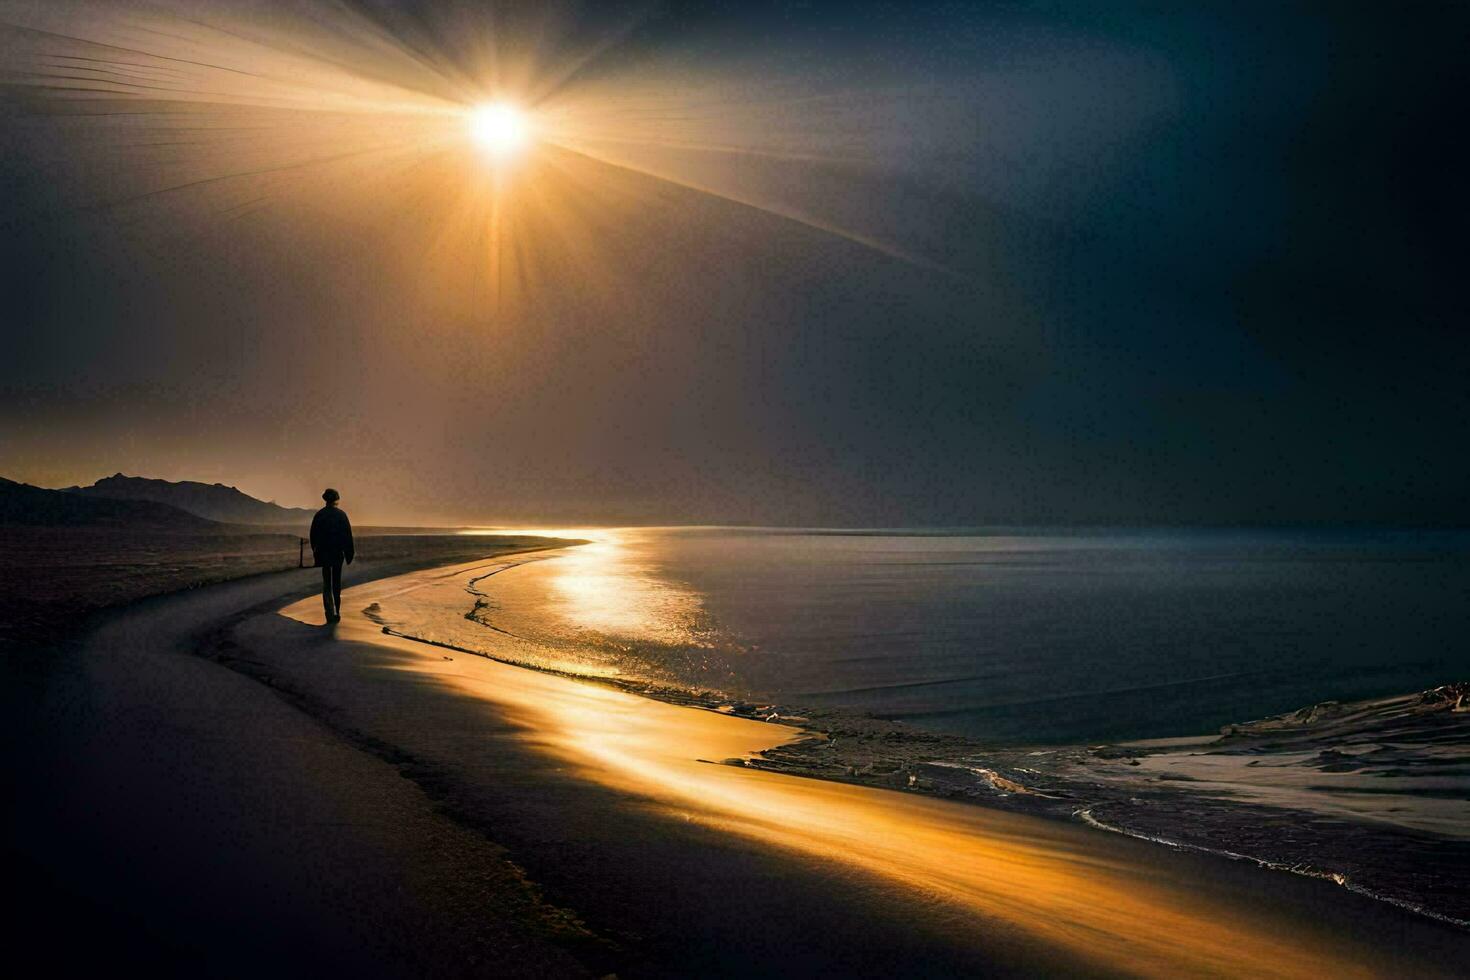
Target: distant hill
x=213 y=501
x=21 y=503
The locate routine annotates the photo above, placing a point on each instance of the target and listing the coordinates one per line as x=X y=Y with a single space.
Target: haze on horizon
x=855 y=263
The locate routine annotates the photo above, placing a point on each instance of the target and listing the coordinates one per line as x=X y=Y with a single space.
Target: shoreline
x=616 y=738
x=1069 y=785
x=590 y=861
x=989 y=789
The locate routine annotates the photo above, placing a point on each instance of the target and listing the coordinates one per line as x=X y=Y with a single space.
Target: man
x=331 y=544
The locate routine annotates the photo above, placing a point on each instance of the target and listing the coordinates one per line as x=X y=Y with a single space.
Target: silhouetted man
x=331 y=545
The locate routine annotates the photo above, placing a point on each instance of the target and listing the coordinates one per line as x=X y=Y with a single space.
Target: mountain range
x=213 y=501
x=23 y=504
x=137 y=502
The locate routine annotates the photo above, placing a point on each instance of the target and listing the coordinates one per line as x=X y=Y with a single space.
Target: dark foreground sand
x=208 y=784
x=51 y=578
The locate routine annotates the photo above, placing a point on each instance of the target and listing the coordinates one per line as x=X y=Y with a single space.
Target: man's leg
x=328 y=600
x=337 y=587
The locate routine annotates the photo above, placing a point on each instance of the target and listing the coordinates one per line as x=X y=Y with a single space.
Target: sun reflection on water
x=611 y=590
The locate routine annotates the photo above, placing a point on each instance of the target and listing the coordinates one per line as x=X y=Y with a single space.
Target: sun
x=501 y=129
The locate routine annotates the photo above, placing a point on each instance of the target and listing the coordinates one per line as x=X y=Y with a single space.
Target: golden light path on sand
x=1062 y=884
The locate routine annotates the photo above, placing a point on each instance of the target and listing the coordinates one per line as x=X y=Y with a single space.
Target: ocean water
x=1009 y=637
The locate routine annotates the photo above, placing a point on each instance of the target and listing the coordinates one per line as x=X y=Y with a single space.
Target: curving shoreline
x=1289 y=831
x=467 y=806
x=657 y=749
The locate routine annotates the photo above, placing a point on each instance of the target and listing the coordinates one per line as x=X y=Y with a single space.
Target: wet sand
x=1100 y=903
x=223 y=789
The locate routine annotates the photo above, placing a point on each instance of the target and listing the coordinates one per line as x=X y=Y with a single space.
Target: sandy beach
x=822 y=489
x=407 y=809
x=1050 y=887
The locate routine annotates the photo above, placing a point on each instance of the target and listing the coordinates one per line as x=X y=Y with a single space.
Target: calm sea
x=1035 y=636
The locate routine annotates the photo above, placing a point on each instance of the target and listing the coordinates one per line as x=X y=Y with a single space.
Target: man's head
x=331 y=496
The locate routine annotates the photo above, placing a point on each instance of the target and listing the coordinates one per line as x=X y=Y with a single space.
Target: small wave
x=1086 y=816
x=471 y=585
x=479 y=616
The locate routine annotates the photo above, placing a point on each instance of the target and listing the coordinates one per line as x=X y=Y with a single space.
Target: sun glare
x=500 y=129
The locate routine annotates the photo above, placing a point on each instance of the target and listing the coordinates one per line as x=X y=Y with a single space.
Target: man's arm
x=347 y=551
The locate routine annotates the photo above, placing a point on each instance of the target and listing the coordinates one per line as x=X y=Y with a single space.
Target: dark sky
x=796 y=263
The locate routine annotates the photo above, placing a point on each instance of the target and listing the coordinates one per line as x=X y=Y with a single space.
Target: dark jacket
x=331 y=536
